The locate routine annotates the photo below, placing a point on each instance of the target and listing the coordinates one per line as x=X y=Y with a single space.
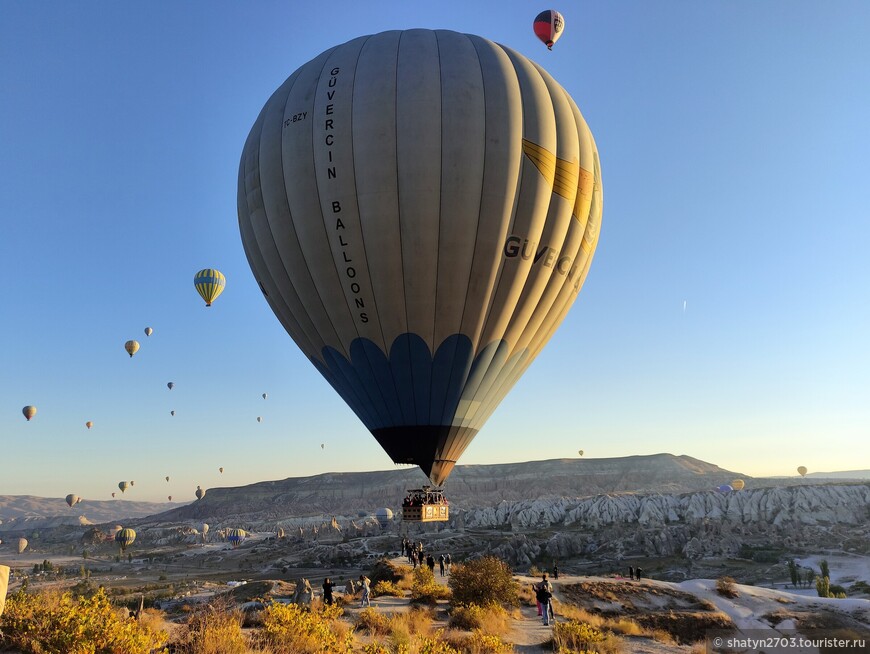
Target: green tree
x=825 y=570
x=793 y=572
x=483 y=581
x=823 y=586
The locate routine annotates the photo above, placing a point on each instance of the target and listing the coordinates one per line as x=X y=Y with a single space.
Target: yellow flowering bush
x=59 y=623
x=289 y=627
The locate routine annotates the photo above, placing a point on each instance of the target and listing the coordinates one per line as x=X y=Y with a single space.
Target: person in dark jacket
x=327 y=591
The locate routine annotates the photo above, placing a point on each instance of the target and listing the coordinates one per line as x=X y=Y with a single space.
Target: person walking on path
x=430 y=561
x=631 y=573
x=441 y=563
x=327 y=591
x=544 y=596
x=555 y=570
x=366 y=589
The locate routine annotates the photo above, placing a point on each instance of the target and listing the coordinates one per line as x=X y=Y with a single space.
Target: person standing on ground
x=447 y=562
x=638 y=573
x=327 y=591
x=430 y=561
x=544 y=596
x=366 y=589
x=441 y=563
x=631 y=573
x=555 y=570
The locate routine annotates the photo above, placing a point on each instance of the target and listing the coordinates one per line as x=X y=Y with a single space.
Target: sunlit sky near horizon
x=726 y=315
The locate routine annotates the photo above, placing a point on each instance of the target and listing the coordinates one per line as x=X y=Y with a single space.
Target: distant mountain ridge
x=841 y=474
x=21 y=507
x=351 y=493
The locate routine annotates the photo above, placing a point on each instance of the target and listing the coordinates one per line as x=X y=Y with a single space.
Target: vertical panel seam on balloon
x=476 y=234
x=365 y=255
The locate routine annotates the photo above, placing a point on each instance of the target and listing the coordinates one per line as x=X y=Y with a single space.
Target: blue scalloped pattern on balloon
x=413 y=387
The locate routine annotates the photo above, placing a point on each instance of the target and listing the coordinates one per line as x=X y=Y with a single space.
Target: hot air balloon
x=132 y=347
x=125 y=538
x=123 y=485
x=132 y=483
x=236 y=536
x=265 y=395
x=724 y=488
x=209 y=284
x=323 y=446
x=113 y=531
x=802 y=471
x=259 y=419
x=89 y=424
x=221 y=470
x=167 y=478
x=29 y=412
x=384 y=516
x=204 y=528
x=548 y=27
x=738 y=484
x=580 y=452
x=113 y=495
x=420 y=240
x=170 y=498
x=172 y=413
x=280 y=533
x=148 y=331
x=170 y=385
x=72 y=500
x=22 y=545
x=200 y=493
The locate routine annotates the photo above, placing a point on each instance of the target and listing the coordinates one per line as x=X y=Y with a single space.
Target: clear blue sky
x=734 y=140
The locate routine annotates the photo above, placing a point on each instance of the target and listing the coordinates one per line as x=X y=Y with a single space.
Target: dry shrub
x=491 y=620
x=387 y=588
x=372 y=622
x=663 y=637
x=432 y=645
x=478 y=643
x=58 y=622
x=215 y=628
x=487 y=580
x=725 y=587
x=291 y=628
x=577 y=614
x=626 y=627
x=425 y=589
x=577 y=637
x=526 y=595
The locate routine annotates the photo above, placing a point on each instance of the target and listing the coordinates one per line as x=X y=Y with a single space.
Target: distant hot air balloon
x=259 y=419
x=167 y=478
x=123 y=485
x=125 y=538
x=236 y=536
x=265 y=395
x=802 y=471
x=221 y=470
x=22 y=545
x=204 y=527
x=200 y=493
x=580 y=452
x=72 y=500
x=29 y=412
x=148 y=331
x=170 y=498
x=384 y=516
x=423 y=249
x=113 y=495
x=724 y=488
x=132 y=347
x=89 y=424
x=132 y=483
x=172 y=413
x=280 y=533
x=738 y=484
x=209 y=284
x=548 y=27
x=170 y=385
x=323 y=446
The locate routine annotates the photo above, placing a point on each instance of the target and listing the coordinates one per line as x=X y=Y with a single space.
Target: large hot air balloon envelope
x=132 y=347
x=204 y=527
x=420 y=209
x=123 y=485
x=738 y=484
x=125 y=538
x=148 y=331
x=724 y=488
x=29 y=412
x=548 y=27
x=200 y=493
x=802 y=471
x=72 y=500
x=22 y=545
x=209 y=284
